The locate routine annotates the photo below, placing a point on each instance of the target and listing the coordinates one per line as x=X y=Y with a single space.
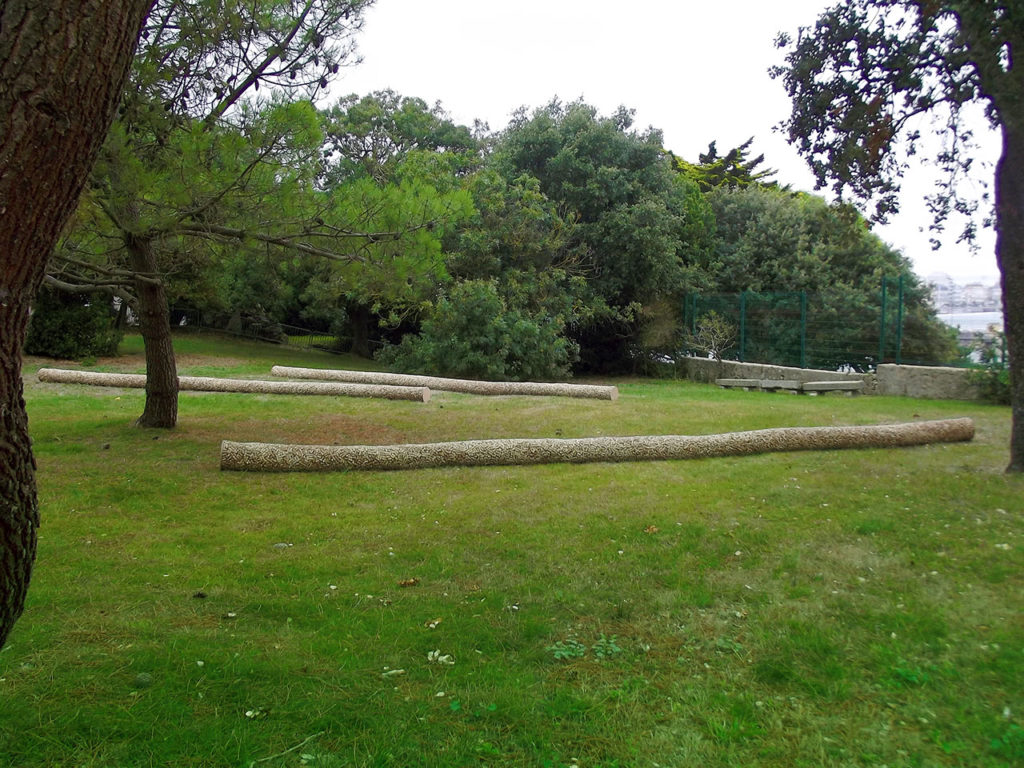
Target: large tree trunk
x=359 y=317
x=161 y=408
x=62 y=66
x=1010 y=256
x=19 y=513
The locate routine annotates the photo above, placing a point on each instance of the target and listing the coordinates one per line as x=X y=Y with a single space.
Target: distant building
x=950 y=295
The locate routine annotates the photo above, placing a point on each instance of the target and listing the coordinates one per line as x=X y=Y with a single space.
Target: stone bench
x=848 y=388
x=744 y=384
x=792 y=386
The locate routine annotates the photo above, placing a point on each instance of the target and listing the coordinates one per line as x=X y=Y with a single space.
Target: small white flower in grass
x=436 y=657
x=1003 y=546
x=200 y=663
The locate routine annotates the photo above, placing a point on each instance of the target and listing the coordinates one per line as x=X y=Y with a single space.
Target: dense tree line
x=565 y=242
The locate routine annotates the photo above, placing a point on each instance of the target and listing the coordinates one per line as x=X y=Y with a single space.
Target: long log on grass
x=207 y=384
x=268 y=457
x=468 y=386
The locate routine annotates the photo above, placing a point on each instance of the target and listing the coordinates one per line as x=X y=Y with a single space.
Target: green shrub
x=993 y=378
x=993 y=384
x=71 y=326
x=474 y=333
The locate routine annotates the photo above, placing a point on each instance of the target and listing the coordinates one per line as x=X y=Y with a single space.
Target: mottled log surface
x=467 y=386
x=267 y=457
x=206 y=384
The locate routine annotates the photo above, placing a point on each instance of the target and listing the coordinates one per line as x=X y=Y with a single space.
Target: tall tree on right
x=862 y=79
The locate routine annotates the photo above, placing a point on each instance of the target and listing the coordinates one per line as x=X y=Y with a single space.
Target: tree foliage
x=372 y=135
x=474 y=332
x=639 y=229
x=731 y=170
x=199 y=59
x=198 y=153
x=772 y=241
x=874 y=78
x=203 y=164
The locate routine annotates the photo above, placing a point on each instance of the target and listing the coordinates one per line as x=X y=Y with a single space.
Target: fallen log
x=467 y=386
x=268 y=457
x=207 y=384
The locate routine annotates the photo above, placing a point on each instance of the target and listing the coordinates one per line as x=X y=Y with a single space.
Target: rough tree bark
x=161 y=408
x=62 y=66
x=1009 y=189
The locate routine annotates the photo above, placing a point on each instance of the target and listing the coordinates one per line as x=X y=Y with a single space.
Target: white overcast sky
x=695 y=69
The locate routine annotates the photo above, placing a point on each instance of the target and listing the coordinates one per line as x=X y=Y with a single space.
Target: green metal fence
x=801 y=330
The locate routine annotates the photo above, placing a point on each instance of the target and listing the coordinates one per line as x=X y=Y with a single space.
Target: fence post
x=743 y=325
x=899 y=325
x=881 y=330
x=803 y=329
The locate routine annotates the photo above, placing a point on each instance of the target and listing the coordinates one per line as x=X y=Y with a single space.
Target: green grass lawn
x=858 y=608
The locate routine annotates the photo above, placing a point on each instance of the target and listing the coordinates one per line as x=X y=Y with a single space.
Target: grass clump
x=842 y=609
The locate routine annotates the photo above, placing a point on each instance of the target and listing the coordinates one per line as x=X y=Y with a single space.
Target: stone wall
x=932 y=382
x=704 y=370
x=926 y=381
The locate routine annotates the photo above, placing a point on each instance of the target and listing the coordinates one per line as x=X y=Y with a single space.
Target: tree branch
x=258 y=71
x=215 y=232
x=113 y=274
x=110 y=289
